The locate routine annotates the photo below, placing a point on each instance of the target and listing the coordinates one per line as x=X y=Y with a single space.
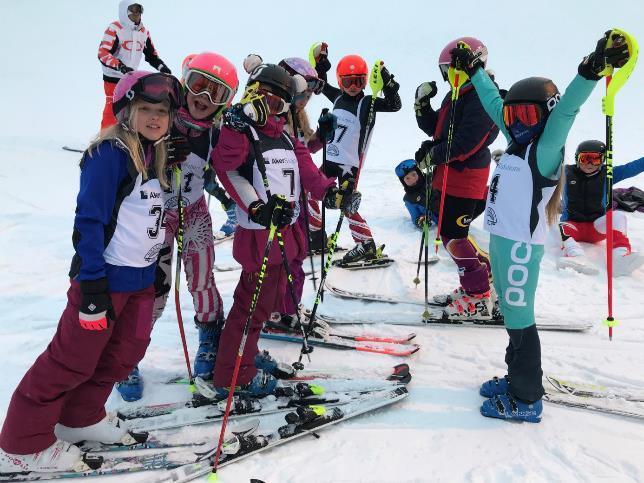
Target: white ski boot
x=445 y=299
x=625 y=262
x=60 y=456
x=108 y=430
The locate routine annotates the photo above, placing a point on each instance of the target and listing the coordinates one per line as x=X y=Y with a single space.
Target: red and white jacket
x=125 y=43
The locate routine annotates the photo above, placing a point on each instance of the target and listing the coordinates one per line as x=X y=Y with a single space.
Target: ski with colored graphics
x=242 y=440
x=241 y=444
x=398 y=373
x=202 y=410
x=436 y=316
x=332 y=342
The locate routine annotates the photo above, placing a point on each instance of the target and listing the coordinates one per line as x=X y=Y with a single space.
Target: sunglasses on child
x=527 y=114
x=359 y=80
x=592 y=158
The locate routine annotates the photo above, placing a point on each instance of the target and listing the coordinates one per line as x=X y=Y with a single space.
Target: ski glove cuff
x=96 y=306
x=124 y=69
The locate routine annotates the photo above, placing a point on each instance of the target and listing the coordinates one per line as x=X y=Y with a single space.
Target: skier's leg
x=108 y=115
x=296 y=267
x=69 y=360
x=270 y=297
x=84 y=405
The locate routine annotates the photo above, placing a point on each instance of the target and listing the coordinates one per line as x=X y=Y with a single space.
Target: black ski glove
x=178 y=150
x=327 y=124
x=424 y=93
x=95 y=309
x=320 y=52
x=263 y=213
x=388 y=81
x=464 y=59
x=423 y=155
x=420 y=221
x=344 y=197
x=593 y=65
x=235 y=119
x=124 y=69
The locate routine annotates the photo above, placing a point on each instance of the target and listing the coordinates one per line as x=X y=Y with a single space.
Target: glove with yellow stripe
x=343 y=198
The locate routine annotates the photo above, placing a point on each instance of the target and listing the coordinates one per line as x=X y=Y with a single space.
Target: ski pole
x=428 y=192
x=305 y=205
x=261 y=166
x=614 y=82
x=456 y=78
x=177 y=275
x=242 y=343
x=325 y=111
x=376 y=84
x=420 y=257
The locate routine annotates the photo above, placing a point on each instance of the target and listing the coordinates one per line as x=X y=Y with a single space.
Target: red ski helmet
x=351 y=65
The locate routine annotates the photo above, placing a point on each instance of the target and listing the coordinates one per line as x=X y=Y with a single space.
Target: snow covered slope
x=51 y=94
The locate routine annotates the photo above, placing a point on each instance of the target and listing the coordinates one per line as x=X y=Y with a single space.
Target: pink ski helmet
x=445 y=58
x=151 y=87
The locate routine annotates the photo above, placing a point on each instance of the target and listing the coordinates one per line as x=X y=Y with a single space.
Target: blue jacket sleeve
x=628 y=170
x=101 y=174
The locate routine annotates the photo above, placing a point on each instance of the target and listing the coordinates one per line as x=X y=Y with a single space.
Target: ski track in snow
x=437 y=433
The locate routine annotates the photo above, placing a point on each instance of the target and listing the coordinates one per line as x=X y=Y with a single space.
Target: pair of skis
x=242 y=440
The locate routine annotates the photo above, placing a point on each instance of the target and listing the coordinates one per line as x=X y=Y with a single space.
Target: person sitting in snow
x=583 y=217
x=413 y=181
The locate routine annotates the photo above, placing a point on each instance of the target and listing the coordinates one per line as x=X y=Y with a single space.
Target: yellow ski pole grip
x=622 y=74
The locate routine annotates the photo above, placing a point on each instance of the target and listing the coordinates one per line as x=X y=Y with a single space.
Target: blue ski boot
x=209 y=334
x=495 y=386
x=505 y=406
x=131 y=389
x=228 y=228
x=279 y=370
x=263 y=384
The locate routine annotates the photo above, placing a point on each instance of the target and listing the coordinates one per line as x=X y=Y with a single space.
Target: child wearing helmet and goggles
x=522 y=201
x=194 y=134
x=105 y=328
x=356 y=116
x=583 y=217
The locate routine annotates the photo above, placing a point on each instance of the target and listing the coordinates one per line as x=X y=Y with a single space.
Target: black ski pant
x=523 y=357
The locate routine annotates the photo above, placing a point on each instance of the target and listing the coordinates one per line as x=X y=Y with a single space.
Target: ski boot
x=446 y=299
x=263 y=384
x=279 y=370
x=209 y=333
x=60 y=456
x=495 y=387
x=288 y=323
x=505 y=406
x=110 y=429
x=131 y=389
x=625 y=261
x=361 y=252
x=227 y=230
x=479 y=307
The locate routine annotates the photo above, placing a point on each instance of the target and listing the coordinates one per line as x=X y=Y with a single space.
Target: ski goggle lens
x=527 y=114
x=218 y=93
x=444 y=68
x=276 y=105
x=360 y=81
x=160 y=87
x=315 y=85
x=136 y=8
x=594 y=159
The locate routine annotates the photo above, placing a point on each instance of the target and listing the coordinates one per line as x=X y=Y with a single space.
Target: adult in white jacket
x=124 y=42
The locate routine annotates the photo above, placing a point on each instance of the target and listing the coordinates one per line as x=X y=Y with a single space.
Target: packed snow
x=52 y=96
